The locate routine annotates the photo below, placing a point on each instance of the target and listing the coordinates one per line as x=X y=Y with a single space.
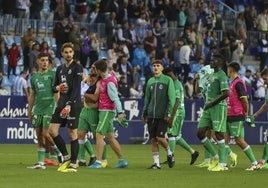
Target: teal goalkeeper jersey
x=42 y=84
x=218 y=82
x=180 y=95
x=159 y=97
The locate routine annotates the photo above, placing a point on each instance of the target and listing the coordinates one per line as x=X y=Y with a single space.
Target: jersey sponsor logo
x=70 y=71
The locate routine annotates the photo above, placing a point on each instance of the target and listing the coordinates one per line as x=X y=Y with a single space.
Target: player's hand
x=65 y=112
x=167 y=119
x=63 y=88
x=121 y=116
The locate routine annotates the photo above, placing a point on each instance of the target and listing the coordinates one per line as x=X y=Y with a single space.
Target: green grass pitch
x=15 y=158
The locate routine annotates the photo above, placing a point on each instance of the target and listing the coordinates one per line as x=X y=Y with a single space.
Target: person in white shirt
x=185 y=52
x=20 y=87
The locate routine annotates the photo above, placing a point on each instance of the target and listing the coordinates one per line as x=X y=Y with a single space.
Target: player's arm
x=243 y=97
x=261 y=109
x=146 y=102
x=113 y=94
x=30 y=104
x=222 y=96
x=93 y=97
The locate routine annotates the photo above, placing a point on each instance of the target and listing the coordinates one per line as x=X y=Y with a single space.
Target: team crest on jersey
x=70 y=71
x=45 y=77
x=161 y=86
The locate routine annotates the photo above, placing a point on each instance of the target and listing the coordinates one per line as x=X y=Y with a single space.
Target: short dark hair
x=40 y=55
x=235 y=66
x=101 y=65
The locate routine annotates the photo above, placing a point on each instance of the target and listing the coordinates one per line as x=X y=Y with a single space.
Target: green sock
x=104 y=154
x=41 y=155
x=207 y=154
x=209 y=147
x=185 y=145
x=265 y=152
x=89 y=148
x=222 y=152
x=54 y=157
x=81 y=152
x=249 y=153
x=228 y=150
x=47 y=155
x=172 y=143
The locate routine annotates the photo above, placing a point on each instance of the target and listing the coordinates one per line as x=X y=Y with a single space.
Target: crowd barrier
x=15 y=127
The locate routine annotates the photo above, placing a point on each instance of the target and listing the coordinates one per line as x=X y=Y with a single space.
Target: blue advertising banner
x=16 y=128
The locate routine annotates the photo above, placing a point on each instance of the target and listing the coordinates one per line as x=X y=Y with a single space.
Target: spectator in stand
x=189 y=88
x=60 y=35
x=123 y=13
x=133 y=12
x=136 y=77
x=263 y=50
x=185 y=51
x=36 y=6
x=171 y=14
x=22 y=9
x=209 y=55
x=150 y=42
x=112 y=55
x=76 y=40
x=174 y=54
x=94 y=17
x=165 y=57
x=139 y=57
x=29 y=35
x=110 y=29
x=124 y=35
x=142 y=24
x=20 y=87
x=260 y=87
x=122 y=49
x=225 y=51
x=44 y=48
x=115 y=71
x=249 y=81
x=4 y=84
x=81 y=10
x=33 y=55
x=240 y=22
x=26 y=51
x=182 y=17
x=94 y=48
x=160 y=34
x=134 y=92
x=13 y=58
x=125 y=69
x=3 y=54
x=85 y=47
x=191 y=16
x=262 y=21
x=62 y=10
x=123 y=88
x=208 y=42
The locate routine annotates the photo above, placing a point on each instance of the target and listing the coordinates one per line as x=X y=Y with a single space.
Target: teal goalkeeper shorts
x=214 y=118
x=88 y=119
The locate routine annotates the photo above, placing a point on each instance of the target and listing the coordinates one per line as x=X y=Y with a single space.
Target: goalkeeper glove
x=122 y=122
x=63 y=88
x=65 y=112
x=250 y=121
